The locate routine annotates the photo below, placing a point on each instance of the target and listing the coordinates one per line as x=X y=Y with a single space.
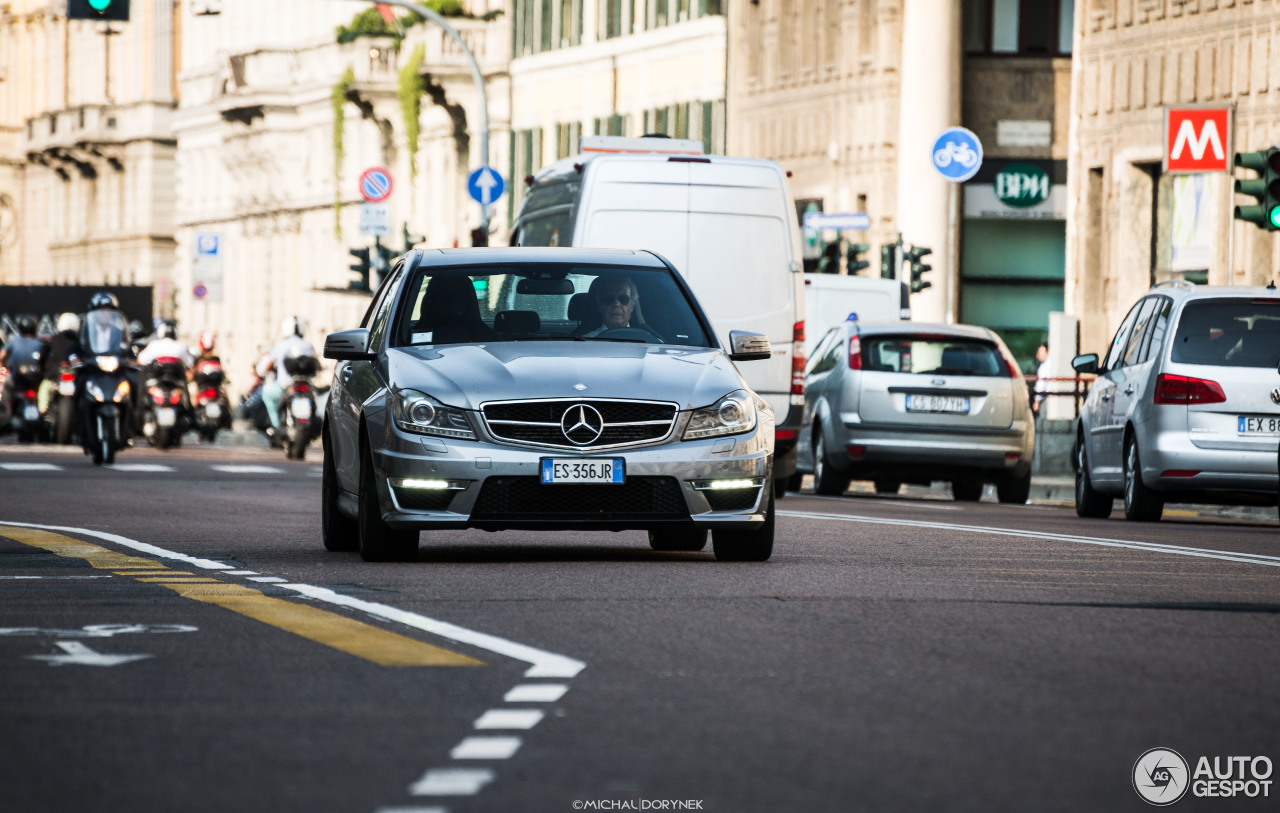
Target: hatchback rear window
x=1229 y=333
x=931 y=355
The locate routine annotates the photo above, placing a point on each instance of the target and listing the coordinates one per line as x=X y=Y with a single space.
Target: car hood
x=468 y=375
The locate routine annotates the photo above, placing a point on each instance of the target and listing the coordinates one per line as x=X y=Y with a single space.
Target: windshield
x=104 y=332
x=546 y=302
x=934 y=355
x=1229 y=333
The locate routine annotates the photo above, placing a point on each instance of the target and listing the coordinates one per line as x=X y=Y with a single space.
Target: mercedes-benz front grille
x=567 y=423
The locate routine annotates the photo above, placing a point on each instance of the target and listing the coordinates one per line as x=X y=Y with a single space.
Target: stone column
x=929 y=102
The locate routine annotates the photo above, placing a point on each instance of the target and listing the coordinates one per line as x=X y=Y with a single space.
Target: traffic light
x=913 y=255
x=117 y=10
x=410 y=240
x=855 y=257
x=381 y=260
x=888 y=270
x=479 y=237
x=361 y=267
x=1265 y=188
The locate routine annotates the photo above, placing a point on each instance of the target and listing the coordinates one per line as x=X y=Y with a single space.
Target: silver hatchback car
x=1186 y=407
x=548 y=389
x=905 y=402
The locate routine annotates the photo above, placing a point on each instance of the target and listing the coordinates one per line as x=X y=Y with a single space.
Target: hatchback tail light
x=1181 y=389
x=855 y=353
x=797 y=359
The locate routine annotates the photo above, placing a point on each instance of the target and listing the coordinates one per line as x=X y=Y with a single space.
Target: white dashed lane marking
x=30 y=467
x=452 y=782
x=156 y=467
x=509 y=718
x=248 y=469
x=536 y=693
x=486 y=748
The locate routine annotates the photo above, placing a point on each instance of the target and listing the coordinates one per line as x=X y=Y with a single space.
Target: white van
x=830 y=299
x=727 y=224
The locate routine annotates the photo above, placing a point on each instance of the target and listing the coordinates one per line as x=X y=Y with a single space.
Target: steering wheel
x=643 y=332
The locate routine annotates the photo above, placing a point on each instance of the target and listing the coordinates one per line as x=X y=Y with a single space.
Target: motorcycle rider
x=101 y=334
x=292 y=344
x=22 y=349
x=164 y=345
x=206 y=354
x=64 y=348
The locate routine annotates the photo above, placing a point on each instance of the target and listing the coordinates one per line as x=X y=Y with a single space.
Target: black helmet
x=26 y=325
x=104 y=299
x=167 y=331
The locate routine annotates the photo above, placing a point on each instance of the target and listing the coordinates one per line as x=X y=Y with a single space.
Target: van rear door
x=637 y=203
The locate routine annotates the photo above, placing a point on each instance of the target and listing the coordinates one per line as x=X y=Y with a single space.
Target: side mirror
x=747 y=346
x=348 y=345
x=1088 y=363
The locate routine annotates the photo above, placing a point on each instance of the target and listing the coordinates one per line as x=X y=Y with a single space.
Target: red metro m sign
x=1197 y=139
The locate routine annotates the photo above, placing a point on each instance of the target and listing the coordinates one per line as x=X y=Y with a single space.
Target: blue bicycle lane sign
x=957 y=154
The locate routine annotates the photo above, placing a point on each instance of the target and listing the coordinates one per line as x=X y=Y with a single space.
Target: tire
x=825 y=479
x=678 y=539
x=749 y=545
x=1089 y=503
x=794 y=482
x=379 y=542
x=965 y=491
x=1141 y=504
x=1014 y=491
x=780 y=488
x=163 y=438
x=887 y=486
x=338 y=532
x=64 y=421
x=297 y=449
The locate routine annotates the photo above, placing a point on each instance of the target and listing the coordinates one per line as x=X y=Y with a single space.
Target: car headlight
x=731 y=415
x=108 y=364
x=421 y=414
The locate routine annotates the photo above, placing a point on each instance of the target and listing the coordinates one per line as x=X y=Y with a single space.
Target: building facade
x=850 y=96
x=1131 y=224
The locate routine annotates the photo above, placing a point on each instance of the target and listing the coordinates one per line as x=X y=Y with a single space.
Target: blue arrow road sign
x=485 y=185
x=858 y=221
x=957 y=154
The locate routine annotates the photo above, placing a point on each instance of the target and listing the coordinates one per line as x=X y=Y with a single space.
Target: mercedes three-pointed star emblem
x=582 y=424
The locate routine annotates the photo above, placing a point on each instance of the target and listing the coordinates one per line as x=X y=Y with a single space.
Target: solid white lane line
x=536 y=693
x=240 y=572
x=509 y=718
x=451 y=782
x=139 y=467
x=141 y=547
x=486 y=748
x=30 y=467
x=543 y=663
x=268 y=579
x=1149 y=547
x=248 y=469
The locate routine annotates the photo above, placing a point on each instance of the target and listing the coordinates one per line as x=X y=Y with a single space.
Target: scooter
x=163 y=417
x=105 y=406
x=25 y=418
x=60 y=415
x=211 y=408
x=299 y=418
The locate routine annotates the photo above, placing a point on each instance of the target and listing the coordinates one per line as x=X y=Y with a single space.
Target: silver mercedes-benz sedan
x=548 y=389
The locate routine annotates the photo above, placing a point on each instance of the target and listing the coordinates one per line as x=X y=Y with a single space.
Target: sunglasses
x=623 y=299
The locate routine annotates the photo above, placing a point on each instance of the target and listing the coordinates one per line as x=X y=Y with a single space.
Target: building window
x=1019 y=27
x=567 y=135
x=614 y=125
x=612 y=19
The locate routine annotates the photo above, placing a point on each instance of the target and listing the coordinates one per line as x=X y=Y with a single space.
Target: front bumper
x=495 y=486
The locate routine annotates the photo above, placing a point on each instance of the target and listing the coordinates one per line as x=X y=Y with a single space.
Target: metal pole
x=476 y=75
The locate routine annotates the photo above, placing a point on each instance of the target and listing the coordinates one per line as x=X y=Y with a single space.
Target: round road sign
x=375 y=184
x=200 y=291
x=957 y=154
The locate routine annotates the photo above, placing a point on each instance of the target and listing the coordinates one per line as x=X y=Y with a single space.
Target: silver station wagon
x=905 y=402
x=1186 y=406
x=547 y=389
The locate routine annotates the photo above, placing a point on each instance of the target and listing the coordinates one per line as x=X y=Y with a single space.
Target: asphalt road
x=895 y=654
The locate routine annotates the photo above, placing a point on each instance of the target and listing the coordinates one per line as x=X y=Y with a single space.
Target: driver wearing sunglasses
x=616 y=300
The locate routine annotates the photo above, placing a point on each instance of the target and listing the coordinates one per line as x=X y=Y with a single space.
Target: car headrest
x=516 y=322
x=580 y=307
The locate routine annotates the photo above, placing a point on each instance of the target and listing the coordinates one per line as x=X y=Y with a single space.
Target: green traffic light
x=1274 y=217
x=100 y=5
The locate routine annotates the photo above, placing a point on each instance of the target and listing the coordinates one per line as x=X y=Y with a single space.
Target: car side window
x=378 y=328
x=819 y=350
x=1159 y=325
x=829 y=359
x=1141 y=325
x=1122 y=336
x=380 y=295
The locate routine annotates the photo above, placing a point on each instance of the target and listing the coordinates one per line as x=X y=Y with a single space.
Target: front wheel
x=297 y=448
x=339 y=532
x=378 y=541
x=754 y=544
x=1141 y=504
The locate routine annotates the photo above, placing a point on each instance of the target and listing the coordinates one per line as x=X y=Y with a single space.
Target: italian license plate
x=938 y=403
x=66 y=388
x=301 y=408
x=1258 y=425
x=166 y=416
x=583 y=470
x=31 y=412
x=213 y=410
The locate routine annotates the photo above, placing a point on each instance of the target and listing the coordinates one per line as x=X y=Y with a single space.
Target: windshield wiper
x=565 y=338
x=613 y=339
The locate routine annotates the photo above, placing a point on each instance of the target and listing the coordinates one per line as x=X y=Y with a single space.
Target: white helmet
x=68 y=321
x=293 y=326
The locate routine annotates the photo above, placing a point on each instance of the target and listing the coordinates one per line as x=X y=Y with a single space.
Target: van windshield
x=1229 y=333
x=546 y=302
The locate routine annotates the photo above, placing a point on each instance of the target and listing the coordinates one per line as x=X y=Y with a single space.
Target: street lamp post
x=476 y=76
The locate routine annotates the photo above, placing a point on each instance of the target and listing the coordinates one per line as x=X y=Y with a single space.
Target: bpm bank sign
x=1019 y=191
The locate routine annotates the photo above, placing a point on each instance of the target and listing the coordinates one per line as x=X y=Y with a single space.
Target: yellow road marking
x=330 y=629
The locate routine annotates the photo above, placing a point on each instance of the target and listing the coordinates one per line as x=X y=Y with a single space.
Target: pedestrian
x=1042 y=378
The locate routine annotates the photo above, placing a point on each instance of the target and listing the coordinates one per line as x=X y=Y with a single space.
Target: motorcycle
x=61 y=411
x=105 y=408
x=212 y=410
x=299 y=418
x=163 y=418
x=25 y=409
